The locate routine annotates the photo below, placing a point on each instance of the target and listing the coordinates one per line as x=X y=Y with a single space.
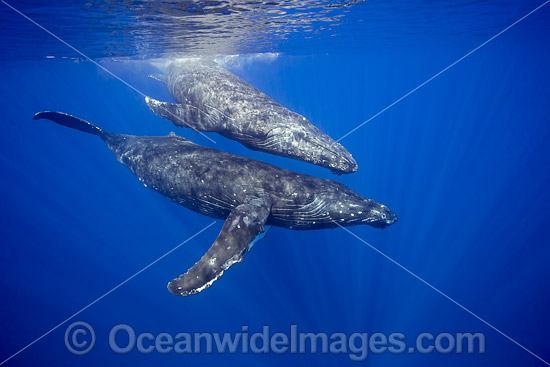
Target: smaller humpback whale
x=248 y=194
x=211 y=98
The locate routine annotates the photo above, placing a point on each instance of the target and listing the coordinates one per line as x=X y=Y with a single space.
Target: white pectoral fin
x=242 y=226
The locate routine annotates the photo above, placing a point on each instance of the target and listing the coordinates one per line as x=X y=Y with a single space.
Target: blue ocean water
x=463 y=161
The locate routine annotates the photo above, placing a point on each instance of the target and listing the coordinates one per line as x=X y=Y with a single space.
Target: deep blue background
x=464 y=162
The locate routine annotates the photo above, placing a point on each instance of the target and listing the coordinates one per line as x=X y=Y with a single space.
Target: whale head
x=330 y=154
x=348 y=209
x=379 y=216
x=307 y=143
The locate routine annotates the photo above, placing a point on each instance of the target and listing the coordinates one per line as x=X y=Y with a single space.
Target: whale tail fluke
x=72 y=122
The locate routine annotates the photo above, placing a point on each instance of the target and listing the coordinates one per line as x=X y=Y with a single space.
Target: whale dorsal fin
x=187 y=115
x=244 y=223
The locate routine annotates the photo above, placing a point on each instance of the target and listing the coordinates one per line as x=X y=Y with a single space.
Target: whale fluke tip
x=73 y=122
x=40 y=115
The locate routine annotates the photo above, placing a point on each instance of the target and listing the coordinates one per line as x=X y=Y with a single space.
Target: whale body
x=211 y=98
x=246 y=193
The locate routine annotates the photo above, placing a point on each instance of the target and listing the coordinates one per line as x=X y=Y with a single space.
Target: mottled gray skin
x=213 y=99
x=246 y=193
x=213 y=182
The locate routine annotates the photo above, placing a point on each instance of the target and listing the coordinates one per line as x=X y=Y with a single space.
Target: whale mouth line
x=342 y=162
x=270 y=141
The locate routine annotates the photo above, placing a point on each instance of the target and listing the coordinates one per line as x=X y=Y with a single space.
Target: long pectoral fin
x=186 y=115
x=157 y=76
x=241 y=227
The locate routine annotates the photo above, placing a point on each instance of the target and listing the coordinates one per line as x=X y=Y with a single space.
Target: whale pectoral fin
x=242 y=226
x=174 y=112
x=185 y=115
x=160 y=77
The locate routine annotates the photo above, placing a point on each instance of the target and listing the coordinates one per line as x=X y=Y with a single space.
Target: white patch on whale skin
x=234 y=224
x=230 y=262
x=152 y=101
x=235 y=259
x=200 y=289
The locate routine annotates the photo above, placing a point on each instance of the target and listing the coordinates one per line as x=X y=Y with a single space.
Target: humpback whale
x=211 y=98
x=248 y=194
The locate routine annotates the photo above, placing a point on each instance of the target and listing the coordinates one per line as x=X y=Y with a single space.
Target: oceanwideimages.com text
x=80 y=339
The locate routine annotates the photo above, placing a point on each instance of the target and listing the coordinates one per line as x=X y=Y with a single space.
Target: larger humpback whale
x=211 y=98
x=248 y=194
